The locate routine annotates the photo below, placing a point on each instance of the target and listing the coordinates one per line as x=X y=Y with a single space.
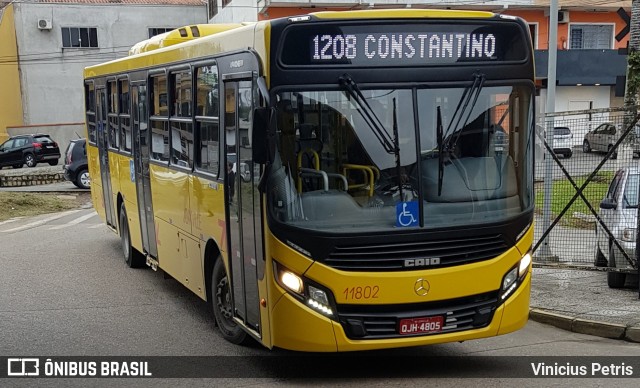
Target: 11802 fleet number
x=357 y=293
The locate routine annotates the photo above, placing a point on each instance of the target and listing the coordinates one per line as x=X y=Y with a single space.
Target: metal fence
x=582 y=219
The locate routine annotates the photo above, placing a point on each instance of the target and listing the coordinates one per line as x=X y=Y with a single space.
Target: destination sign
x=392 y=46
x=402 y=45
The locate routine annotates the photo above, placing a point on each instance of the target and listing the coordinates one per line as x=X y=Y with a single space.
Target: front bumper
x=630 y=250
x=472 y=309
x=293 y=324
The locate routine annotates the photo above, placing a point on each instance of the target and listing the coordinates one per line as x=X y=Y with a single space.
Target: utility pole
x=545 y=249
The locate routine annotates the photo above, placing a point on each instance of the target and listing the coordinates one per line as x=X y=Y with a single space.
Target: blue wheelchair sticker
x=407 y=214
x=132 y=171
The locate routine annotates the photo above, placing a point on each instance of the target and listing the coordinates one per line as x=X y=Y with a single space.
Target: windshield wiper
x=470 y=92
x=387 y=142
x=390 y=144
x=445 y=145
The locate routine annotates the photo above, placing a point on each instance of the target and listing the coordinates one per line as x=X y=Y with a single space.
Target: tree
x=633 y=58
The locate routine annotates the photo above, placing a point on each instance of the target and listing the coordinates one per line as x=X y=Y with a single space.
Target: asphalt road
x=65 y=291
x=577 y=165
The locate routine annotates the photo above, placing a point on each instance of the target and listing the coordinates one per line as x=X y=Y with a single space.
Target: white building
x=56 y=39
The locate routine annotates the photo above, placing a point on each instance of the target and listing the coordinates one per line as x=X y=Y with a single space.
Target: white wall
x=236 y=12
x=52 y=77
x=571 y=98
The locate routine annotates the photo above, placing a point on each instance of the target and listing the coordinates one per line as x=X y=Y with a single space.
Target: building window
x=591 y=36
x=225 y=3
x=79 y=37
x=159 y=30
x=212 y=7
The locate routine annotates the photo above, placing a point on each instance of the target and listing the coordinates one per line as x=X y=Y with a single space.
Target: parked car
x=75 y=164
x=605 y=136
x=30 y=150
x=618 y=211
x=245 y=173
x=562 y=141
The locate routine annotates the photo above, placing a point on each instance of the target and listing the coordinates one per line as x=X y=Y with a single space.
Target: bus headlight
x=292 y=282
x=304 y=290
x=515 y=276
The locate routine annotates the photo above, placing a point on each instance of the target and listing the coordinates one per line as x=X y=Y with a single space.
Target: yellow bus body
x=189 y=215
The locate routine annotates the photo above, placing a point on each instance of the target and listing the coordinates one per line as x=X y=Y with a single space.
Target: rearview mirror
x=608 y=204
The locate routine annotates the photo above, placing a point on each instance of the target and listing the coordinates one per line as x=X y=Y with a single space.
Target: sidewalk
x=581 y=301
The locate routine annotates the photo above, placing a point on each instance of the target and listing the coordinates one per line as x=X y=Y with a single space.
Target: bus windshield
x=334 y=170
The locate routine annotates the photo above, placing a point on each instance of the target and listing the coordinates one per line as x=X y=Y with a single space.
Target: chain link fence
x=587 y=190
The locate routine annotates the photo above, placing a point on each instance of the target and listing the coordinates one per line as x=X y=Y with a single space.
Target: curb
x=31 y=179
x=629 y=333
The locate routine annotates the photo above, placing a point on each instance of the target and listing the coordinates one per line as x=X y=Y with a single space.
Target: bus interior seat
x=470 y=179
x=335 y=205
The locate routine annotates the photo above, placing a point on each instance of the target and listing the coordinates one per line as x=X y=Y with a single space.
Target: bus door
x=103 y=155
x=141 y=145
x=244 y=227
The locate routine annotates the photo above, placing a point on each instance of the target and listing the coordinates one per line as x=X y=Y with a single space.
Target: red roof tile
x=134 y=2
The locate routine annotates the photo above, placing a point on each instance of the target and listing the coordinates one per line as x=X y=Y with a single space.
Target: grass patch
x=563 y=191
x=17 y=204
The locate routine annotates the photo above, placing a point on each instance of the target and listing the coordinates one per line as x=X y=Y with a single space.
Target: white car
x=562 y=141
x=618 y=211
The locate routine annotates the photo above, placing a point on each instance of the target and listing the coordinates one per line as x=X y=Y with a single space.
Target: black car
x=75 y=164
x=30 y=150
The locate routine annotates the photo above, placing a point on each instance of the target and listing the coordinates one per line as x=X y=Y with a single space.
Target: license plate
x=421 y=325
x=49 y=146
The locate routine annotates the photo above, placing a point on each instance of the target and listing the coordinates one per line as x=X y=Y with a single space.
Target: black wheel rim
x=223 y=302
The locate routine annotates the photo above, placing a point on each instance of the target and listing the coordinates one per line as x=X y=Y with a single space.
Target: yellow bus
x=336 y=181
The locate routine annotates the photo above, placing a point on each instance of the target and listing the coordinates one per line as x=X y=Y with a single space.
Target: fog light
x=318 y=300
x=318 y=295
x=510 y=279
x=291 y=281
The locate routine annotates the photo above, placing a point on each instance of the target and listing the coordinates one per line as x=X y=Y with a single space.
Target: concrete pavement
x=580 y=301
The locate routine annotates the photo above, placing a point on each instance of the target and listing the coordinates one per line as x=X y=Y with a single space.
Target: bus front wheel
x=222 y=306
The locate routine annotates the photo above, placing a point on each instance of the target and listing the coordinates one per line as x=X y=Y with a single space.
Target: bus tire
x=132 y=257
x=222 y=307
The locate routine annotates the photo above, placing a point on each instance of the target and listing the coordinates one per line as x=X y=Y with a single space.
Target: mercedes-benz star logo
x=421 y=287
